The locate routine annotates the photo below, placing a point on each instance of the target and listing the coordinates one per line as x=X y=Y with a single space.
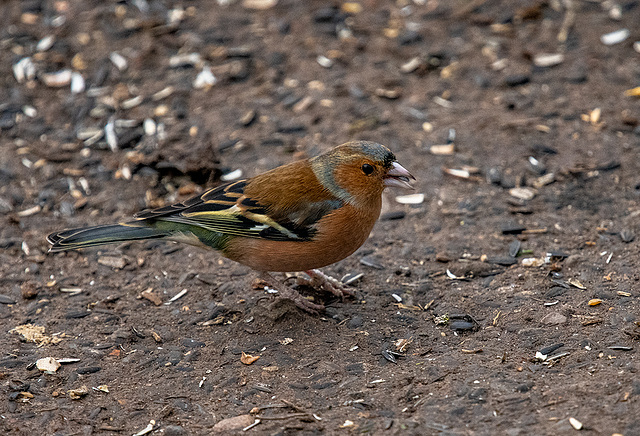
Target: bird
x=298 y=217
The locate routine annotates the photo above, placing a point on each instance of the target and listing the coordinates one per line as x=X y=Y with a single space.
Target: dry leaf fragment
x=149 y=295
x=24 y=397
x=76 y=394
x=248 y=359
x=34 y=333
x=403 y=344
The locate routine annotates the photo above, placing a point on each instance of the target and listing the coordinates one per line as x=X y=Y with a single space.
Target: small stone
x=443 y=257
x=627 y=235
x=355 y=322
x=174 y=430
x=88 y=369
x=192 y=343
x=29 y=290
x=233 y=424
x=5 y=299
x=115 y=262
x=461 y=325
x=516 y=80
x=554 y=318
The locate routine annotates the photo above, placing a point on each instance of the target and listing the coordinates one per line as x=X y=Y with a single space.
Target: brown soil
x=468 y=364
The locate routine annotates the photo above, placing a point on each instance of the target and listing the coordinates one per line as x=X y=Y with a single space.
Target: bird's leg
x=318 y=279
x=285 y=291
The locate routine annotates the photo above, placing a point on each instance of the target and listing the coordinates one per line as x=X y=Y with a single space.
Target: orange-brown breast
x=339 y=234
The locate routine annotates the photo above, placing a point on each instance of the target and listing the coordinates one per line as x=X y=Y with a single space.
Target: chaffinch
x=297 y=217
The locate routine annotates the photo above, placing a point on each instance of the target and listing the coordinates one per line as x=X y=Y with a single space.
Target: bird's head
x=359 y=171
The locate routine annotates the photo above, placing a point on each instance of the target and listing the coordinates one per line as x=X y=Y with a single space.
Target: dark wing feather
x=226 y=210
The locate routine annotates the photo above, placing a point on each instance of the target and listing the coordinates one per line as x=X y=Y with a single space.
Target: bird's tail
x=101 y=235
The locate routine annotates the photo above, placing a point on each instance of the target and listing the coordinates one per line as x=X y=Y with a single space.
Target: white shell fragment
x=110 y=134
x=29 y=111
x=522 y=193
x=24 y=70
x=147 y=429
x=410 y=66
x=205 y=78
x=233 y=175
x=442 y=150
x=533 y=261
x=149 y=126
x=48 y=364
x=541 y=357
x=575 y=423
x=58 y=79
x=259 y=5
x=324 y=61
x=546 y=60
x=410 y=199
x=119 y=61
x=46 y=43
x=77 y=83
x=615 y=37
x=132 y=102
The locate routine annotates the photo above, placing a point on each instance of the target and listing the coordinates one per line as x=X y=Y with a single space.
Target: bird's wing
x=227 y=210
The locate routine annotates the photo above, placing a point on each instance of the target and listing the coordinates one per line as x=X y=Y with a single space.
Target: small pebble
x=615 y=37
x=205 y=78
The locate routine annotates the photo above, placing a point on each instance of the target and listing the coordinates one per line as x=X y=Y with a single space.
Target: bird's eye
x=367 y=169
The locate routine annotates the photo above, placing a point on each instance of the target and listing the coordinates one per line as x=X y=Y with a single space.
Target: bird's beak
x=398 y=176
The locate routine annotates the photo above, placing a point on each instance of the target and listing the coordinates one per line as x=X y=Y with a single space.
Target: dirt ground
x=507 y=302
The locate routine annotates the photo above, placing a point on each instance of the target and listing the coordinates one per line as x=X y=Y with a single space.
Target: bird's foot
x=318 y=279
x=289 y=293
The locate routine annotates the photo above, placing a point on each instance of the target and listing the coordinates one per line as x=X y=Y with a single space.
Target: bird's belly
x=282 y=256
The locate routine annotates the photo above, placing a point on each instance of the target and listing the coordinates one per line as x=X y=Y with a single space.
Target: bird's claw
x=285 y=291
x=318 y=279
x=300 y=301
